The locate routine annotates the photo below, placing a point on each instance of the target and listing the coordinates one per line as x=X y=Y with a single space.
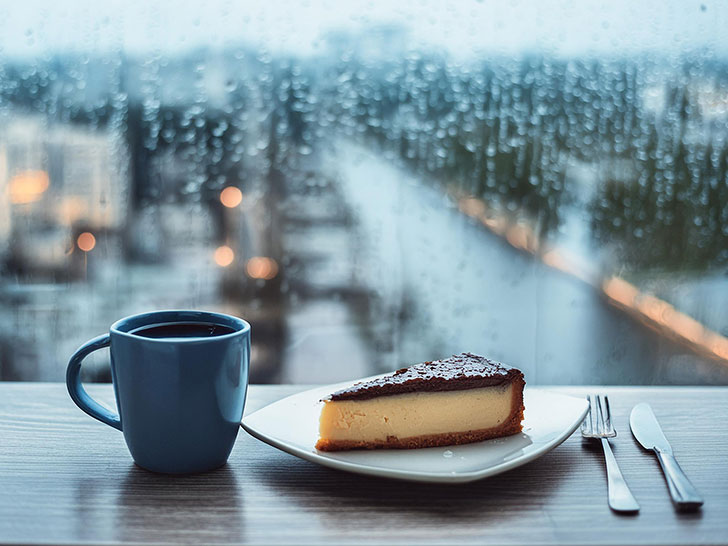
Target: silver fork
x=598 y=425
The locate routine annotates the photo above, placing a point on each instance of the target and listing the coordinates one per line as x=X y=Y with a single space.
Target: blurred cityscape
x=366 y=211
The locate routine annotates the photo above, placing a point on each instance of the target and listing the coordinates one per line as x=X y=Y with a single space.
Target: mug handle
x=76 y=390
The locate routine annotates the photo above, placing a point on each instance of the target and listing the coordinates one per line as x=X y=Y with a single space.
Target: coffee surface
x=171 y=330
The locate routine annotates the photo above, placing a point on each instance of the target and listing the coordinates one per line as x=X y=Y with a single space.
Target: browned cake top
x=459 y=372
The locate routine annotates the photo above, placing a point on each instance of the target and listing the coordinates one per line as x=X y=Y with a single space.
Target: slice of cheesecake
x=458 y=400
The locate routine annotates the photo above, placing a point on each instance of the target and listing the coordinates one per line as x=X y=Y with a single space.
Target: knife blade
x=646 y=429
x=648 y=433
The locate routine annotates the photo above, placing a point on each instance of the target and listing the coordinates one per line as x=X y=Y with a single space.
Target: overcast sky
x=462 y=27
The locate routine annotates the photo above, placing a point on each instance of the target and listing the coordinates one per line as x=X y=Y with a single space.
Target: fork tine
x=585 y=421
x=609 y=414
x=600 y=415
x=592 y=408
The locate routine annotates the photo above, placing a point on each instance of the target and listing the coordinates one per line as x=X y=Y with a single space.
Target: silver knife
x=647 y=431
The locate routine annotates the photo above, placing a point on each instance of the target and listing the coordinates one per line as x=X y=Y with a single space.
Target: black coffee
x=182 y=329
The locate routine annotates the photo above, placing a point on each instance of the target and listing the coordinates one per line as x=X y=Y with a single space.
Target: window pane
x=371 y=185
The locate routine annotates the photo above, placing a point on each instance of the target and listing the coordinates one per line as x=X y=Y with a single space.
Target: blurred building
x=57 y=181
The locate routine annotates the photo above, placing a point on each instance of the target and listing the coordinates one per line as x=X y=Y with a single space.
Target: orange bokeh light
x=28 y=186
x=262 y=268
x=519 y=237
x=473 y=207
x=620 y=291
x=719 y=346
x=224 y=256
x=231 y=197
x=86 y=241
x=496 y=225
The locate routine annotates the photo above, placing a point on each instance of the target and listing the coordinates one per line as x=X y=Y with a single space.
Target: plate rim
x=407 y=475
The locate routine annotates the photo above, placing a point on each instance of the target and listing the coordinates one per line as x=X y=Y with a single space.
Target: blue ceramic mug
x=180 y=399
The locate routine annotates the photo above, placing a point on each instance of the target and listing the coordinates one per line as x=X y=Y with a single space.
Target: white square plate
x=291 y=424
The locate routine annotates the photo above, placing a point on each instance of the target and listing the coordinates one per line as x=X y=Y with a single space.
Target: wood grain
x=65 y=478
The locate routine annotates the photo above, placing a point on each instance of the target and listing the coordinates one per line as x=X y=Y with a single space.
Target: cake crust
x=459 y=372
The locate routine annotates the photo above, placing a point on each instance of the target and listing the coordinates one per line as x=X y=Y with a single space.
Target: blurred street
x=555 y=327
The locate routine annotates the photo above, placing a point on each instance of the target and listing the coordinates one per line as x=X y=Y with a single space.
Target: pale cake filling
x=416 y=414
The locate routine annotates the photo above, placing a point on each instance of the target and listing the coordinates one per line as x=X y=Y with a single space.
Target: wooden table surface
x=66 y=478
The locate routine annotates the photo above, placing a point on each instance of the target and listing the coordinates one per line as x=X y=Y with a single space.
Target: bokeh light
x=261 y=267
x=28 y=186
x=231 y=197
x=86 y=241
x=224 y=256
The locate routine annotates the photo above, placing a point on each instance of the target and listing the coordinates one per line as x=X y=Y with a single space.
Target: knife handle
x=683 y=493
